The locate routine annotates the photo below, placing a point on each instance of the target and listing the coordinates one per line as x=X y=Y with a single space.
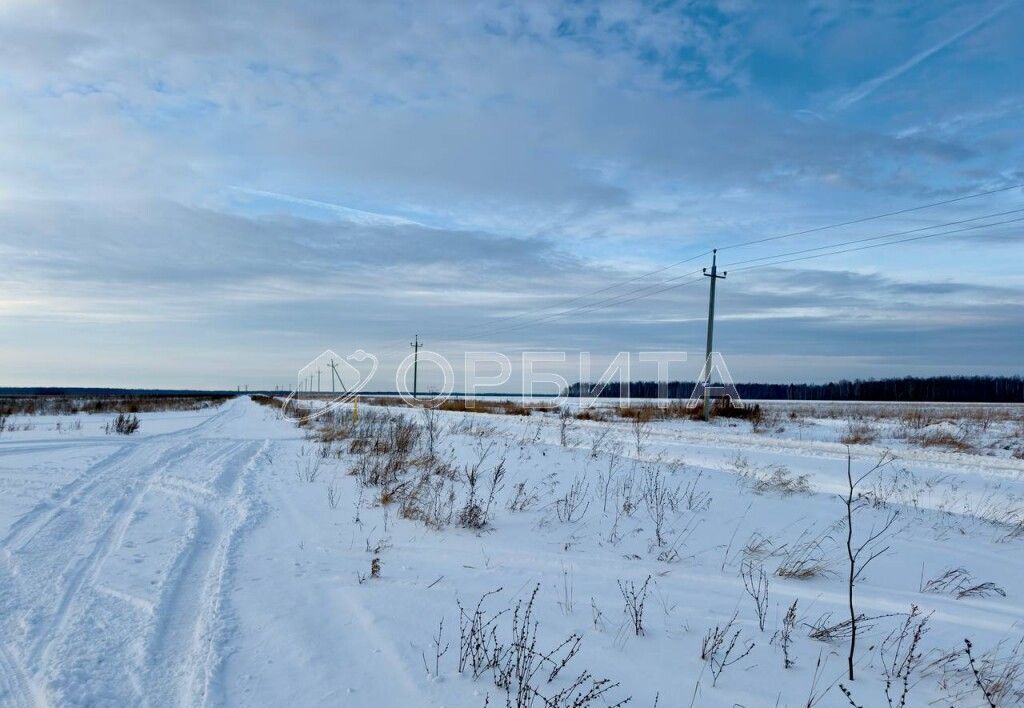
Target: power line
x=657 y=288
x=888 y=235
x=619 y=300
x=792 y=234
x=666 y=285
x=872 y=218
x=877 y=245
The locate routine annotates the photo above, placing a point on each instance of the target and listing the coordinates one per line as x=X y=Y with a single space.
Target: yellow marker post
x=355 y=411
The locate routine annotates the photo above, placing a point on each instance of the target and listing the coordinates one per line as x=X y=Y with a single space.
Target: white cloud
x=162 y=159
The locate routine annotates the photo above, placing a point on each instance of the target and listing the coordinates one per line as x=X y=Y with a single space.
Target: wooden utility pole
x=336 y=376
x=711 y=331
x=415 y=344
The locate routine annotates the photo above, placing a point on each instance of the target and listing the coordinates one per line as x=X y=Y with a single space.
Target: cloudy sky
x=206 y=194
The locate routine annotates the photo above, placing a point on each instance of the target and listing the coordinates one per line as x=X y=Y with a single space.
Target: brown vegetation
x=470 y=405
x=943 y=439
x=70 y=405
x=859 y=433
x=721 y=408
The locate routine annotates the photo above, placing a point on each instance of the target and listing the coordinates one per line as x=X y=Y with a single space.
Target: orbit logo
x=331 y=381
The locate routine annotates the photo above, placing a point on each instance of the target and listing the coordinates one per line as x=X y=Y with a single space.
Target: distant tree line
x=938 y=389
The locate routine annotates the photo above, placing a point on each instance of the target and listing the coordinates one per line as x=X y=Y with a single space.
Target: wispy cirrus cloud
x=359 y=216
x=868 y=87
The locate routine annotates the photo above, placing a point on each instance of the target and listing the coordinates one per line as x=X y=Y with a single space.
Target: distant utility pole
x=336 y=375
x=318 y=380
x=415 y=344
x=711 y=331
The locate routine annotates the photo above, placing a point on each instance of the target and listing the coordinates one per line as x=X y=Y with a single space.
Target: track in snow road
x=182 y=652
x=72 y=623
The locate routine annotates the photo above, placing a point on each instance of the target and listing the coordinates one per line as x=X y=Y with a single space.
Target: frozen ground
x=225 y=557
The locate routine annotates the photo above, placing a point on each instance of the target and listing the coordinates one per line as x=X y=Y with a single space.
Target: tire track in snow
x=16 y=690
x=27 y=526
x=183 y=653
x=18 y=447
x=84 y=572
x=71 y=494
x=92 y=517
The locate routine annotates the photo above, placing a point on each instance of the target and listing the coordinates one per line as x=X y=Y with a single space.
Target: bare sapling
x=861 y=553
x=635 y=599
x=755 y=581
x=431 y=428
x=439 y=650
x=640 y=427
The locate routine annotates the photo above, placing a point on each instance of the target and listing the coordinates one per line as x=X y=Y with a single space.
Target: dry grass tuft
x=805 y=558
x=944 y=439
x=961 y=584
x=778 y=478
x=859 y=433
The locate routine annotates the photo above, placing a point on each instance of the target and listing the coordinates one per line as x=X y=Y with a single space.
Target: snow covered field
x=230 y=557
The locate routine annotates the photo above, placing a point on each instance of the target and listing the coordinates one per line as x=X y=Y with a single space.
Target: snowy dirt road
x=111 y=585
x=200 y=563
